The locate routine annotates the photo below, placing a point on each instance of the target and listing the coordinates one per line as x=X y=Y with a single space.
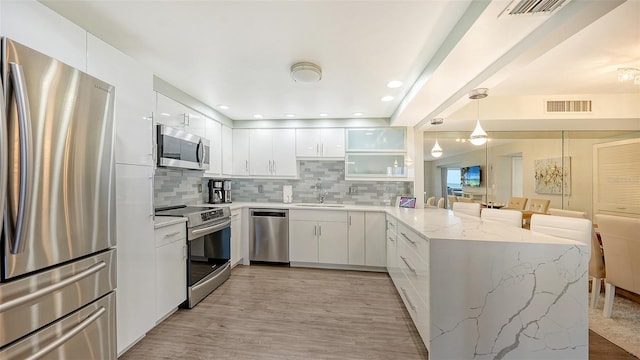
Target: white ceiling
x=238 y=53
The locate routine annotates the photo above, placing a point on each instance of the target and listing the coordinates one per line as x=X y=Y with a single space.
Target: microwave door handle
x=200 y=153
x=19 y=90
x=4 y=168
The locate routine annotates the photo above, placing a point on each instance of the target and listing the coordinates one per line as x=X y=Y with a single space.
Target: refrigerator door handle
x=7 y=305
x=67 y=336
x=19 y=88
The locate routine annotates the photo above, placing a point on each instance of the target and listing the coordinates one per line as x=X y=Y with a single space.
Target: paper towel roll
x=287 y=194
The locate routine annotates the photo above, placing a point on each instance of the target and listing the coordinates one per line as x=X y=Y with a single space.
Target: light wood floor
x=266 y=312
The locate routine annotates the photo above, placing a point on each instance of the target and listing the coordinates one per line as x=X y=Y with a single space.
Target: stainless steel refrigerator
x=57 y=195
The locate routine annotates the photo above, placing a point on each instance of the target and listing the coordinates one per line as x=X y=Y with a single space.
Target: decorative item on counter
x=287 y=194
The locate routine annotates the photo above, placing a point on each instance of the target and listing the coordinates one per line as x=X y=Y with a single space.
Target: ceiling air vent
x=530 y=7
x=568 y=106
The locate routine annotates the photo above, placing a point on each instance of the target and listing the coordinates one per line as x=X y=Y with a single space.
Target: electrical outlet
x=353 y=190
x=260 y=189
x=199 y=188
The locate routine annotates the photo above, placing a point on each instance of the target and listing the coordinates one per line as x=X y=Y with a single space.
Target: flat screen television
x=470 y=176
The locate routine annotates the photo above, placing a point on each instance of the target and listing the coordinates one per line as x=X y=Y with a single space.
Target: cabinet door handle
x=413 y=270
x=315 y=230
x=151 y=186
x=349 y=220
x=274 y=166
x=406 y=296
x=322 y=150
x=409 y=240
x=246 y=165
x=172 y=234
x=391 y=239
x=317 y=149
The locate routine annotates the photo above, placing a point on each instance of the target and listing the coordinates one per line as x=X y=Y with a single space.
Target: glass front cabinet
x=376 y=153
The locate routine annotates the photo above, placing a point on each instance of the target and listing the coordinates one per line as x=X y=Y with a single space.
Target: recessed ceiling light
x=387 y=98
x=165 y=114
x=258 y=116
x=223 y=107
x=393 y=84
x=323 y=114
x=290 y=115
x=357 y=114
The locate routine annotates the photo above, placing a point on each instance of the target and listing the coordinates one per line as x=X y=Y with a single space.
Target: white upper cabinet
x=227 y=150
x=134 y=100
x=320 y=143
x=40 y=28
x=377 y=139
x=177 y=115
x=213 y=132
x=240 y=152
x=272 y=152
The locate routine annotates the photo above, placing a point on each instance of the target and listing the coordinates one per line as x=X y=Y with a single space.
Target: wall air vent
x=568 y=106
x=531 y=7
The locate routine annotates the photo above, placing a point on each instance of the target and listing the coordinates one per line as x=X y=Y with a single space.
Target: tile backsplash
x=174 y=187
x=178 y=187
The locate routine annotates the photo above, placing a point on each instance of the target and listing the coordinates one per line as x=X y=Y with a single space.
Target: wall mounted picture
x=549 y=174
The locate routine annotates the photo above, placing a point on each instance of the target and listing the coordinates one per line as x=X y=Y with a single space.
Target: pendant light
x=436 y=151
x=478 y=136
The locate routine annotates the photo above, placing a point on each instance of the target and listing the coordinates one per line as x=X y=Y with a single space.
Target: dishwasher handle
x=269 y=213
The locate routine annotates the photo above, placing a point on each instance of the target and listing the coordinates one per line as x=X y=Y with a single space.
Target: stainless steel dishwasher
x=269 y=235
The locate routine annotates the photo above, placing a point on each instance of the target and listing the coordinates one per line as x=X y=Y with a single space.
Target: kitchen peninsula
x=482 y=290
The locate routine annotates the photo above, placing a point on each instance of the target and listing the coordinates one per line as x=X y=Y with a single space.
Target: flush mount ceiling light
x=387 y=98
x=306 y=72
x=436 y=151
x=478 y=136
x=628 y=74
x=394 y=84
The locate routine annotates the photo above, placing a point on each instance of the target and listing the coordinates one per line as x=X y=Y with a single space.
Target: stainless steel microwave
x=180 y=149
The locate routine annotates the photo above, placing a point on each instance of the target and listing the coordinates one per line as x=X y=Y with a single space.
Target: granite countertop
x=162 y=221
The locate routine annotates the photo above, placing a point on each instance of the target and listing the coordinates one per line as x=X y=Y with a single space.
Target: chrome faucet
x=322 y=195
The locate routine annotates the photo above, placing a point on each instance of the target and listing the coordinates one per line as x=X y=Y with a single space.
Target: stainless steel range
x=209 y=248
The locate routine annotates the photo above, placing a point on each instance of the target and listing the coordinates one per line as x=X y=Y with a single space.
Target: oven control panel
x=211 y=215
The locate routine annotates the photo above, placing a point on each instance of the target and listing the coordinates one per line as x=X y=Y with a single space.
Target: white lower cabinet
x=136 y=255
x=317 y=236
x=303 y=240
x=356 y=238
x=367 y=243
x=337 y=237
x=236 y=236
x=171 y=269
x=375 y=243
x=332 y=243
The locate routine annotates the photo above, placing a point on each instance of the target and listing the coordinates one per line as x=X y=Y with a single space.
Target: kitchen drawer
x=318 y=215
x=168 y=234
x=415 y=241
x=415 y=269
x=416 y=308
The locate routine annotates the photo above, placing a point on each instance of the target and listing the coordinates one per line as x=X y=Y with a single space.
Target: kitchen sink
x=321 y=205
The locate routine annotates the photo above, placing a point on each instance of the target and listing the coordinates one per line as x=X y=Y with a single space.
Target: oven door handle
x=209 y=229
